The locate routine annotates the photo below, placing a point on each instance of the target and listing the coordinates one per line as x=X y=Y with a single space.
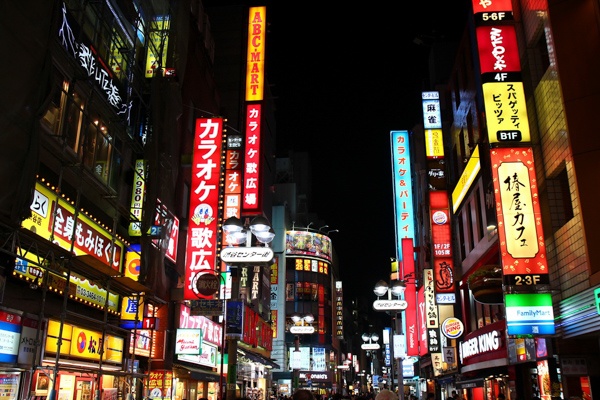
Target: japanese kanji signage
x=56 y=220
x=529 y=314
x=442 y=244
x=233 y=178
x=339 y=310
x=504 y=98
x=432 y=123
x=201 y=246
x=519 y=217
x=431 y=310
x=252 y=161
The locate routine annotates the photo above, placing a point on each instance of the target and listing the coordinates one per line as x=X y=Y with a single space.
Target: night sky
x=343 y=78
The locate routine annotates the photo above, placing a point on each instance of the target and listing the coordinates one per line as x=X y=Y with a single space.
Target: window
x=69 y=121
x=559 y=200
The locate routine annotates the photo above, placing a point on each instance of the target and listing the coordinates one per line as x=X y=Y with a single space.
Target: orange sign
x=255 y=73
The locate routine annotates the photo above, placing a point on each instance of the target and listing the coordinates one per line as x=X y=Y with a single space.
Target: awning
x=258 y=358
x=199 y=374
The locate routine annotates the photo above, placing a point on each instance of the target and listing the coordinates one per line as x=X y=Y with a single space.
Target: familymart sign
x=529 y=314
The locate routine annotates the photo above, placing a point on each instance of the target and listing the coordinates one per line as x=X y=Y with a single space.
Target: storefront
x=484 y=371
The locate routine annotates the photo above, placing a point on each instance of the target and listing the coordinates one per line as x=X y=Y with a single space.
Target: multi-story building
x=99 y=128
x=307 y=303
x=521 y=164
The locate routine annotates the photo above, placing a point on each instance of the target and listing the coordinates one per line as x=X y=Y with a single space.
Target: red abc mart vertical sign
x=202 y=234
x=520 y=230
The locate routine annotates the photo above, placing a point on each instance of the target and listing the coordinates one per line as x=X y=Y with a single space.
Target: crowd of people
x=384 y=394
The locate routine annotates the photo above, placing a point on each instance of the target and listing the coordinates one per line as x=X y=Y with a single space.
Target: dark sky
x=344 y=77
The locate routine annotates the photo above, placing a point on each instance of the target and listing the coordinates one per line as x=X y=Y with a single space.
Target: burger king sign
x=452 y=328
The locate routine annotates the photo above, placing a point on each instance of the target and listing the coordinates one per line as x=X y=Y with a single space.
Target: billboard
x=201 y=255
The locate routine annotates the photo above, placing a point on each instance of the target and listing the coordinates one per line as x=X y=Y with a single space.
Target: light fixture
x=236 y=233
x=370 y=337
x=398 y=288
x=323 y=227
x=302 y=324
x=265 y=236
x=259 y=224
x=382 y=287
x=232 y=225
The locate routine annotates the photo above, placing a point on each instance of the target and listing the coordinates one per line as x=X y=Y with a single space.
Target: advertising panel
x=441 y=235
x=255 y=59
x=520 y=231
x=529 y=314
x=308 y=244
x=56 y=219
x=402 y=185
x=506 y=112
x=201 y=256
x=252 y=161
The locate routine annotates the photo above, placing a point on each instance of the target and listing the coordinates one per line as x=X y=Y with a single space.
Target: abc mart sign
x=246 y=254
x=394 y=305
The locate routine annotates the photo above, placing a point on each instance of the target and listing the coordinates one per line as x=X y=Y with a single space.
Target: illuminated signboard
x=255 y=73
x=431 y=309
x=233 y=178
x=520 y=230
x=57 y=220
x=10 y=335
x=493 y=11
x=252 y=161
x=504 y=98
x=506 y=114
x=201 y=246
x=137 y=198
x=339 y=310
x=308 y=244
x=498 y=51
x=402 y=184
x=84 y=343
x=188 y=341
x=529 y=314
x=441 y=234
x=411 y=321
x=432 y=114
x=466 y=179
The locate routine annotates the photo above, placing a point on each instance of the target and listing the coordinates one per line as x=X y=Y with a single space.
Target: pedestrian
x=386 y=394
x=456 y=395
x=303 y=394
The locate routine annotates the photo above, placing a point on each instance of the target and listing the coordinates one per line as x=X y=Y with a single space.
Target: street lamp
x=302 y=325
x=238 y=236
x=370 y=346
x=392 y=305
